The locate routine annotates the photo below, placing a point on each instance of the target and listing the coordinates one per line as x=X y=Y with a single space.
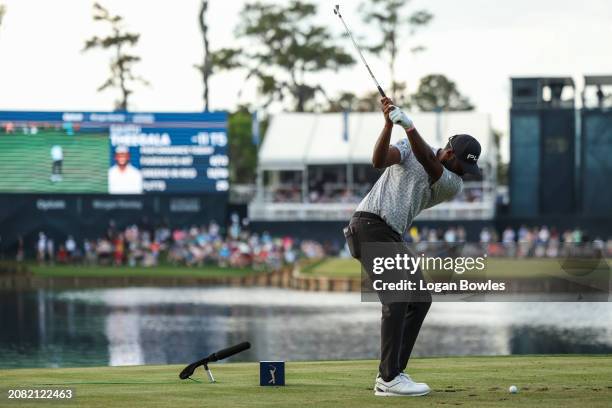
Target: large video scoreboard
x=113 y=152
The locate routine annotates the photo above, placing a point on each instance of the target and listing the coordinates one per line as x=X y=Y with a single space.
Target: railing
x=262 y=211
x=287 y=192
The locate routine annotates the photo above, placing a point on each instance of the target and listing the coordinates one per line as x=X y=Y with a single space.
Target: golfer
x=416 y=177
x=57 y=156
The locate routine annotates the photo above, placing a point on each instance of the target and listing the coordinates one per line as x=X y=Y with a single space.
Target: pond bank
x=21 y=277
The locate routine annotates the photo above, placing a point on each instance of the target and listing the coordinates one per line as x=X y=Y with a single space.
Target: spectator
x=20 y=256
x=119 y=251
x=485 y=236
x=522 y=234
x=70 y=246
x=450 y=236
x=50 y=251
x=508 y=236
x=41 y=247
x=104 y=250
x=543 y=235
x=577 y=236
x=62 y=255
x=461 y=234
x=90 y=252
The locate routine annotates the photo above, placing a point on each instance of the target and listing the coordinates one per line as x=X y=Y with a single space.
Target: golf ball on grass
x=513 y=389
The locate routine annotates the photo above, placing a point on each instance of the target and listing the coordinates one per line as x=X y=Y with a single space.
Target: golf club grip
x=230 y=351
x=382 y=93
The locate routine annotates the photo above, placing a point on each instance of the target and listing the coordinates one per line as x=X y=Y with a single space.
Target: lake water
x=178 y=325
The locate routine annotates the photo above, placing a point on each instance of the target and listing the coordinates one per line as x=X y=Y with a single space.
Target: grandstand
x=317 y=167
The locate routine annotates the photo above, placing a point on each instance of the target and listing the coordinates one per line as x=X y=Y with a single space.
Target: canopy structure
x=286 y=141
x=296 y=140
x=314 y=143
x=597 y=80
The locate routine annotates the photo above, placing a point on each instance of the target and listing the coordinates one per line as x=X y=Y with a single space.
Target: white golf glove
x=398 y=117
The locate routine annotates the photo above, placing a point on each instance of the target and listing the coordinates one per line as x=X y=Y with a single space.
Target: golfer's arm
x=424 y=155
x=385 y=155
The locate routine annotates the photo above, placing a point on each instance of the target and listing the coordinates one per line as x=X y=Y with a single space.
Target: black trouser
x=57 y=167
x=401 y=321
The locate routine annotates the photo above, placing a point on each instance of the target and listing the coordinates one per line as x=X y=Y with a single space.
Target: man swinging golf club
x=416 y=177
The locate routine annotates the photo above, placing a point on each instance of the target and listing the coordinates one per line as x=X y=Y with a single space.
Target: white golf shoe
x=410 y=378
x=401 y=386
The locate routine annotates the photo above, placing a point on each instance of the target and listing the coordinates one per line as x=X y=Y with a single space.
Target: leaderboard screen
x=113 y=152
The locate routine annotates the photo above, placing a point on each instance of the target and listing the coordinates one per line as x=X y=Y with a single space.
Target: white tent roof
x=327 y=145
x=286 y=141
x=295 y=140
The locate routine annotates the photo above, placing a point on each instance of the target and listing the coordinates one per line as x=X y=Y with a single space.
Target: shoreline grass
x=161 y=271
x=511 y=268
x=342 y=268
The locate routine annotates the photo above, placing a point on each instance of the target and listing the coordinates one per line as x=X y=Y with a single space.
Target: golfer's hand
x=387 y=107
x=400 y=118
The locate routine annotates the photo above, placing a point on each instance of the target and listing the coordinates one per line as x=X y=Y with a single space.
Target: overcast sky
x=477 y=43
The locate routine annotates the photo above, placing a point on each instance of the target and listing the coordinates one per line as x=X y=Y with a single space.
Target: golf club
x=337 y=12
x=219 y=355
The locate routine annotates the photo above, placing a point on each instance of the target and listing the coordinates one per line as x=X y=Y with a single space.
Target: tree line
x=281 y=48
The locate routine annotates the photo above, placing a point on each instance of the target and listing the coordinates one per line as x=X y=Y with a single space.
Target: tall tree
x=242 y=151
x=502 y=167
x=387 y=16
x=121 y=64
x=205 y=67
x=437 y=92
x=284 y=48
x=348 y=101
x=345 y=101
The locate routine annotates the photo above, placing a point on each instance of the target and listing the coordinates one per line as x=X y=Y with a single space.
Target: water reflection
x=174 y=325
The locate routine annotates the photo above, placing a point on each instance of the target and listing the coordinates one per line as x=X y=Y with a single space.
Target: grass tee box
x=552 y=381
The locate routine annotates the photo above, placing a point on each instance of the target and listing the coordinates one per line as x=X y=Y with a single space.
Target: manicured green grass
x=163 y=271
x=25 y=161
x=552 y=381
x=495 y=267
x=335 y=267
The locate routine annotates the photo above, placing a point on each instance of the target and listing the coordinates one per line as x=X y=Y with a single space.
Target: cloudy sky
x=478 y=43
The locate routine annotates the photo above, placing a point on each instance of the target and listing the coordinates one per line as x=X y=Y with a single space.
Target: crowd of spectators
x=544 y=241
x=189 y=246
x=332 y=193
x=540 y=241
x=238 y=247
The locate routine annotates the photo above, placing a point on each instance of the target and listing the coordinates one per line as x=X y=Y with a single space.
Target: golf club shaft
x=230 y=351
x=380 y=90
